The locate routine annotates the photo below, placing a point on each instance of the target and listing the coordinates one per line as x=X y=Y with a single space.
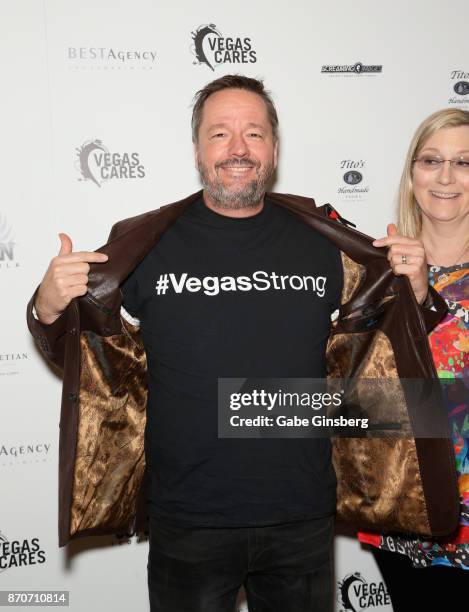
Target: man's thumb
x=66 y=245
x=392 y=229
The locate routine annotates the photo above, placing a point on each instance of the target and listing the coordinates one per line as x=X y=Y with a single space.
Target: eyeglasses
x=431 y=163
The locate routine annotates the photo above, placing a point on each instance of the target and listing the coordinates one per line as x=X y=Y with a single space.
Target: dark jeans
x=284 y=568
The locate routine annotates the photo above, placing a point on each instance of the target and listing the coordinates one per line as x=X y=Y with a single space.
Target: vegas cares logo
x=356 y=594
x=260 y=281
x=97 y=164
x=20 y=553
x=213 y=49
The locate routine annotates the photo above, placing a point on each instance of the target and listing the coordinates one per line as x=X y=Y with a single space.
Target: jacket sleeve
x=51 y=338
x=433 y=309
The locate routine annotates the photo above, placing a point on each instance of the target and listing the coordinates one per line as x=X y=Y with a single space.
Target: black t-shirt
x=219 y=297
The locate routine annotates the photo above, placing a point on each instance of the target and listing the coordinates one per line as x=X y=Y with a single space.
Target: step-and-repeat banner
x=95 y=126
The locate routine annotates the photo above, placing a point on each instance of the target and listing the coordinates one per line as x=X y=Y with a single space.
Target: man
x=213 y=298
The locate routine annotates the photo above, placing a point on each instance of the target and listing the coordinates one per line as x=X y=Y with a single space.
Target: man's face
x=235 y=154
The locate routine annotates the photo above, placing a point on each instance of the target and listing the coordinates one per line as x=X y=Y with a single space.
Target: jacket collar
x=138 y=236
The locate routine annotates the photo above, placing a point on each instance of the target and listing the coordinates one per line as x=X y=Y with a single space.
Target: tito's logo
x=211 y=48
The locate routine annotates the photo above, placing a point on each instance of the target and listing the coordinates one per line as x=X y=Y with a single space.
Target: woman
x=433 y=221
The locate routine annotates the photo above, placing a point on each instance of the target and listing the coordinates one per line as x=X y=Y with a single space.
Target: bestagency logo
x=7 y=246
x=213 y=49
x=110 y=58
x=20 y=553
x=356 y=69
x=460 y=86
x=355 y=593
x=11 y=454
x=96 y=164
x=352 y=187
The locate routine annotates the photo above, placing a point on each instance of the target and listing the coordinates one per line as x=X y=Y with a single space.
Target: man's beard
x=246 y=195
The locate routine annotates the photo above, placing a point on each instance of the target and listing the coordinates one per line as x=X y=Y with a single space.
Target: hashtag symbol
x=162 y=284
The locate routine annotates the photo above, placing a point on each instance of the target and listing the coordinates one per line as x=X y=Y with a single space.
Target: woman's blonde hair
x=409 y=216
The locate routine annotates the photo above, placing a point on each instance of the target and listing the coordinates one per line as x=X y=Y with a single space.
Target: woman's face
x=443 y=192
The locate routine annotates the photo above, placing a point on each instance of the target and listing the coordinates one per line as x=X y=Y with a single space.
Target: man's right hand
x=65 y=279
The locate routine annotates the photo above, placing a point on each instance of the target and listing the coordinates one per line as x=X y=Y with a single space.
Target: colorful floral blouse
x=449 y=343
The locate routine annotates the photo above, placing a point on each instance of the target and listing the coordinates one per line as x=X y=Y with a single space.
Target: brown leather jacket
x=403 y=484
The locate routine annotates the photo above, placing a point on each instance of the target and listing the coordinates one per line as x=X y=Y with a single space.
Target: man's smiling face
x=235 y=152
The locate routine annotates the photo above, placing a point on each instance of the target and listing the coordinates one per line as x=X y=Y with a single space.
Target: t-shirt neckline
x=201 y=212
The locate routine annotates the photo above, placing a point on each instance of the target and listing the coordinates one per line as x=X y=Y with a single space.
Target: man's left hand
x=407 y=256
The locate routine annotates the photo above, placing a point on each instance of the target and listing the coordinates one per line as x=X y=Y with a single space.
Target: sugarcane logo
x=211 y=48
x=356 y=594
x=96 y=164
x=7 y=245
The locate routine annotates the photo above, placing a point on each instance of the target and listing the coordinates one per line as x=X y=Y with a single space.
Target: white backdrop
x=124 y=73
